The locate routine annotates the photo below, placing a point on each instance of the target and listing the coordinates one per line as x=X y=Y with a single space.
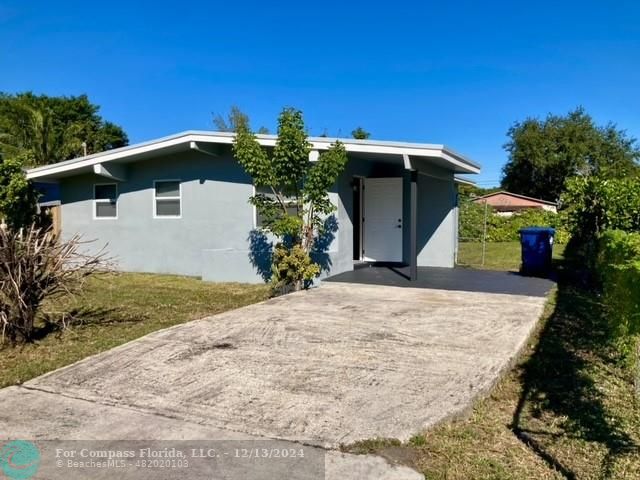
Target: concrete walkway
x=333 y=365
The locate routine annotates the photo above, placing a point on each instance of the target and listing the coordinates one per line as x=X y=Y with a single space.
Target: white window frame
x=155 y=199
x=255 y=212
x=96 y=201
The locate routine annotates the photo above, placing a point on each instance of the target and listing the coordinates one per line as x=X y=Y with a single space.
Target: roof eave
x=459 y=163
x=517 y=195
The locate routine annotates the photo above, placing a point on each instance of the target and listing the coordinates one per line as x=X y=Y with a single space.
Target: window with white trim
x=290 y=203
x=167 y=201
x=105 y=201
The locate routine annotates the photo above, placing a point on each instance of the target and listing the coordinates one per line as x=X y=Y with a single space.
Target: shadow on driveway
x=459 y=279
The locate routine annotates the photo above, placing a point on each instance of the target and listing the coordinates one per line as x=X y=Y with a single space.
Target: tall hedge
x=593 y=205
x=618 y=269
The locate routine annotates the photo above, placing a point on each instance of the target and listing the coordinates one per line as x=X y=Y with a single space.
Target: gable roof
x=192 y=139
x=516 y=195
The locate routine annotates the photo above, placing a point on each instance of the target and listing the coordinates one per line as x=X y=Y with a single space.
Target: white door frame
x=389 y=230
x=360 y=226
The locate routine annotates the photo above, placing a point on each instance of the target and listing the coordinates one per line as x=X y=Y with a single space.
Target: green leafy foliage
x=52 y=129
x=292 y=266
x=618 y=269
x=473 y=191
x=360 y=134
x=471 y=215
x=594 y=204
x=298 y=203
x=503 y=228
x=604 y=218
x=17 y=196
x=543 y=154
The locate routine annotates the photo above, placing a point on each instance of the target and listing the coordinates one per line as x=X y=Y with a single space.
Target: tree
x=360 y=134
x=544 y=154
x=298 y=204
x=52 y=129
x=17 y=196
x=235 y=117
x=473 y=191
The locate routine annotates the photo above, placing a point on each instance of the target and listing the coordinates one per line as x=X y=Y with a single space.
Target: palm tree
x=29 y=131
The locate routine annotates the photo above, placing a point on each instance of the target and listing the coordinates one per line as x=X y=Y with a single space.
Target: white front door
x=382 y=223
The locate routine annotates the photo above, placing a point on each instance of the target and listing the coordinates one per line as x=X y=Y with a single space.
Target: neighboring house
x=180 y=204
x=507 y=203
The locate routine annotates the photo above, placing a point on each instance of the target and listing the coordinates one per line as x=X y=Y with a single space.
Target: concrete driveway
x=336 y=364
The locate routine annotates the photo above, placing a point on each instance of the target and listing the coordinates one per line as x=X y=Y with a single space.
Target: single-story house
x=507 y=203
x=179 y=204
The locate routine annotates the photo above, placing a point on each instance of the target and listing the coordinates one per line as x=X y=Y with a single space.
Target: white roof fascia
x=464 y=181
x=318 y=143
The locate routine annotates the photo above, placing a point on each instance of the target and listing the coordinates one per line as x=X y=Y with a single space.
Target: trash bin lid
x=534 y=230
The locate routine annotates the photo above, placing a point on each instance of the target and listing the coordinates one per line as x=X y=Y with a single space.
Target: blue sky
x=458 y=73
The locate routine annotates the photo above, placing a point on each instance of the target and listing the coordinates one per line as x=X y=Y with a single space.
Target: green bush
x=593 y=205
x=18 y=198
x=471 y=221
x=292 y=266
x=618 y=270
x=505 y=229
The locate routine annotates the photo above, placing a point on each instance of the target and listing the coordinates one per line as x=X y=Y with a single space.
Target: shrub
x=34 y=265
x=17 y=196
x=505 y=229
x=618 y=270
x=292 y=267
x=471 y=220
x=593 y=205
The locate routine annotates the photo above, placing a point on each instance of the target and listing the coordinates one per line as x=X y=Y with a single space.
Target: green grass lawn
x=566 y=410
x=116 y=309
x=498 y=256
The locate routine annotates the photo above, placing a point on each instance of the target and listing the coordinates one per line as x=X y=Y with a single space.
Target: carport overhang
x=415 y=165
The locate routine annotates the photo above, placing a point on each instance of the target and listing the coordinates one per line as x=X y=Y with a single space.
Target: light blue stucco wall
x=213 y=232
x=215 y=238
x=436 y=221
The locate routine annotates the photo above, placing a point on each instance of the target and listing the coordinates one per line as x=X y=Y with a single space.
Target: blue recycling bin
x=537 y=250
